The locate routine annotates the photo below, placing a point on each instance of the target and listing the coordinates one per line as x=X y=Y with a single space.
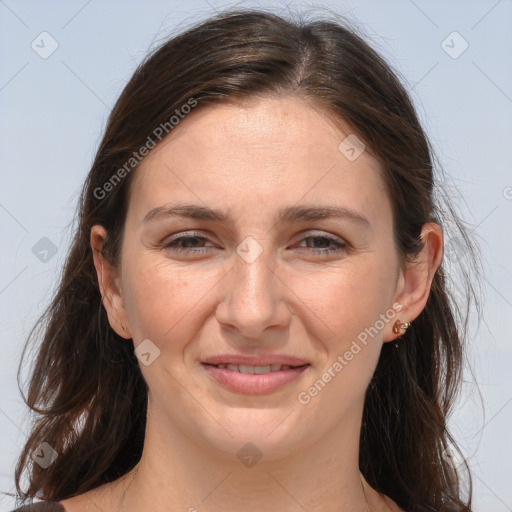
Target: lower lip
x=254 y=383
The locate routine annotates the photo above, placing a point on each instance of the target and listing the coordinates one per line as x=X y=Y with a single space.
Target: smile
x=247 y=368
x=254 y=379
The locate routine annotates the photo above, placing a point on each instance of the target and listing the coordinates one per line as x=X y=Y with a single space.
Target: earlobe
x=108 y=282
x=398 y=326
x=415 y=282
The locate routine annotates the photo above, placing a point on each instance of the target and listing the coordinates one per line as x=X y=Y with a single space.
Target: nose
x=255 y=298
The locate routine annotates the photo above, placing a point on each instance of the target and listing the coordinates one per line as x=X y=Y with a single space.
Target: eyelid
x=338 y=247
x=187 y=234
x=302 y=235
x=316 y=232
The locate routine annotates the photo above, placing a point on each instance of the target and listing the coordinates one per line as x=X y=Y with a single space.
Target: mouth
x=250 y=369
x=241 y=377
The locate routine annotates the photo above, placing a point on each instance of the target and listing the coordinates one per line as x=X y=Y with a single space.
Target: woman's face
x=272 y=282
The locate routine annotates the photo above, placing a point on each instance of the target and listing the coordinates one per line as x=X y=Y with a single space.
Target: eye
x=194 y=243
x=337 y=245
x=191 y=241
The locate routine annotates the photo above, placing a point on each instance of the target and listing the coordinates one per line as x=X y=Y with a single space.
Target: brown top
x=44 y=506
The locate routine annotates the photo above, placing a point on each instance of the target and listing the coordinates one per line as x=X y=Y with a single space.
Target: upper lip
x=254 y=360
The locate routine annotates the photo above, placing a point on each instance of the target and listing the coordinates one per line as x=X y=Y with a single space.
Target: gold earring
x=400 y=325
x=397 y=327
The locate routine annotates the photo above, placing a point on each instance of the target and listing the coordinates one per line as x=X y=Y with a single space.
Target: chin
x=271 y=432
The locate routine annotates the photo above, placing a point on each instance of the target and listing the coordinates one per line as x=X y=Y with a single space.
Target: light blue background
x=54 y=111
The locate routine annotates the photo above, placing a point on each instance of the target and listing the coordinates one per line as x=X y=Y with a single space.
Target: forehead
x=266 y=151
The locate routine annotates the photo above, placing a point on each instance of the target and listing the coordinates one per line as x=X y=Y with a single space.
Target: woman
x=253 y=313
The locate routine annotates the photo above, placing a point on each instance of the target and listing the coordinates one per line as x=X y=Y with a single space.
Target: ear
x=415 y=281
x=109 y=283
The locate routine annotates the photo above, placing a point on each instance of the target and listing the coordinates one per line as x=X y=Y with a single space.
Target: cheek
x=162 y=300
x=166 y=302
x=349 y=302
x=347 y=299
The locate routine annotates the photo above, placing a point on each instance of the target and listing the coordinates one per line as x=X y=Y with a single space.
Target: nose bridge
x=254 y=298
x=252 y=273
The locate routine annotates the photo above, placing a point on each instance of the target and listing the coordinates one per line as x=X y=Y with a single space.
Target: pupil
x=192 y=241
x=319 y=239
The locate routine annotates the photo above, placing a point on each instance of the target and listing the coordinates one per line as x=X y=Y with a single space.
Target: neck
x=177 y=473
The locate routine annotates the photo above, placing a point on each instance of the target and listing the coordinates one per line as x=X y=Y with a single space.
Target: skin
x=252 y=160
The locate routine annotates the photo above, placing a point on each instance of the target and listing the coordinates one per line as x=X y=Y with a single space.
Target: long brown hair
x=86 y=387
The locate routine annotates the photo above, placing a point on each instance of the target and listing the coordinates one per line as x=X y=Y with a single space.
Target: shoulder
x=51 y=506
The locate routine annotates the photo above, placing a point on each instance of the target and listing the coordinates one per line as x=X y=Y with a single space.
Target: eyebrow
x=285 y=215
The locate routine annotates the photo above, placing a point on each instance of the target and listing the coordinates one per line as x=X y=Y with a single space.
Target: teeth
x=262 y=369
x=246 y=368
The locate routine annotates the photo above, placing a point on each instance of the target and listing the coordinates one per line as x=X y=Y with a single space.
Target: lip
x=254 y=383
x=255 y=360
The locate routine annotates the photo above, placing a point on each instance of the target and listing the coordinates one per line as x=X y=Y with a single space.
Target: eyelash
x=339 y=246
